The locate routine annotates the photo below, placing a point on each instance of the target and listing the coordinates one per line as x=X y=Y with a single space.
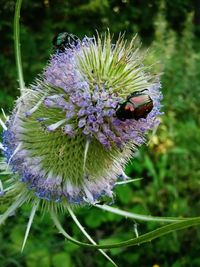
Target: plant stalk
x=17 y=46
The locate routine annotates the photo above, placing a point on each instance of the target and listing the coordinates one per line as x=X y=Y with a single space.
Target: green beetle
x=65 y=40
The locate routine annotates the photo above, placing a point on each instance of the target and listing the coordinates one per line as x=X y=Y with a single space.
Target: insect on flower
x=138 y=105
x=64 y=40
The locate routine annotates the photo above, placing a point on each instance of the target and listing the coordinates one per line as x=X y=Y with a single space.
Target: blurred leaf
x=94 y=218
x=38 y=258
x=62 y=259
x=124 y=193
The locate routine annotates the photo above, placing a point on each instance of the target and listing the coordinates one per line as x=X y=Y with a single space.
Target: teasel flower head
x=63 y=143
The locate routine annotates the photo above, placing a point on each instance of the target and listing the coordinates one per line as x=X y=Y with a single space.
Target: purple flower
x=73 y=113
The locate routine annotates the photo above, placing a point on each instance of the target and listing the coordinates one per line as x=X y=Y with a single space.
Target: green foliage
x=169 y=165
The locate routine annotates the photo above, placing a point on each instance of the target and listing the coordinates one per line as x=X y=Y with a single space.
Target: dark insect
x=138 y=105
x=65 y=40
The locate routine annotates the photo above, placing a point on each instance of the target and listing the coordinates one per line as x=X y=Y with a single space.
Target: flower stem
x=133 y=241
x=17 y=45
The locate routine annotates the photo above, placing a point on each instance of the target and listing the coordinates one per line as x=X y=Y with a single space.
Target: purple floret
x=93 y=110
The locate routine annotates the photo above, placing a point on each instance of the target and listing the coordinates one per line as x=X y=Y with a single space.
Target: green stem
x=17 y=45
x=134 y=241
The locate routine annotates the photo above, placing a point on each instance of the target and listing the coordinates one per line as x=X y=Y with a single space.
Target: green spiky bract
x=118 y=66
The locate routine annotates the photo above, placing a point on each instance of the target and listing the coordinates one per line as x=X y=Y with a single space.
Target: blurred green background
x=169 y=164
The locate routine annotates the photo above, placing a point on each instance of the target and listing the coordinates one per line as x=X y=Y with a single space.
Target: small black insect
x=138 y=105
x=65 y=40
